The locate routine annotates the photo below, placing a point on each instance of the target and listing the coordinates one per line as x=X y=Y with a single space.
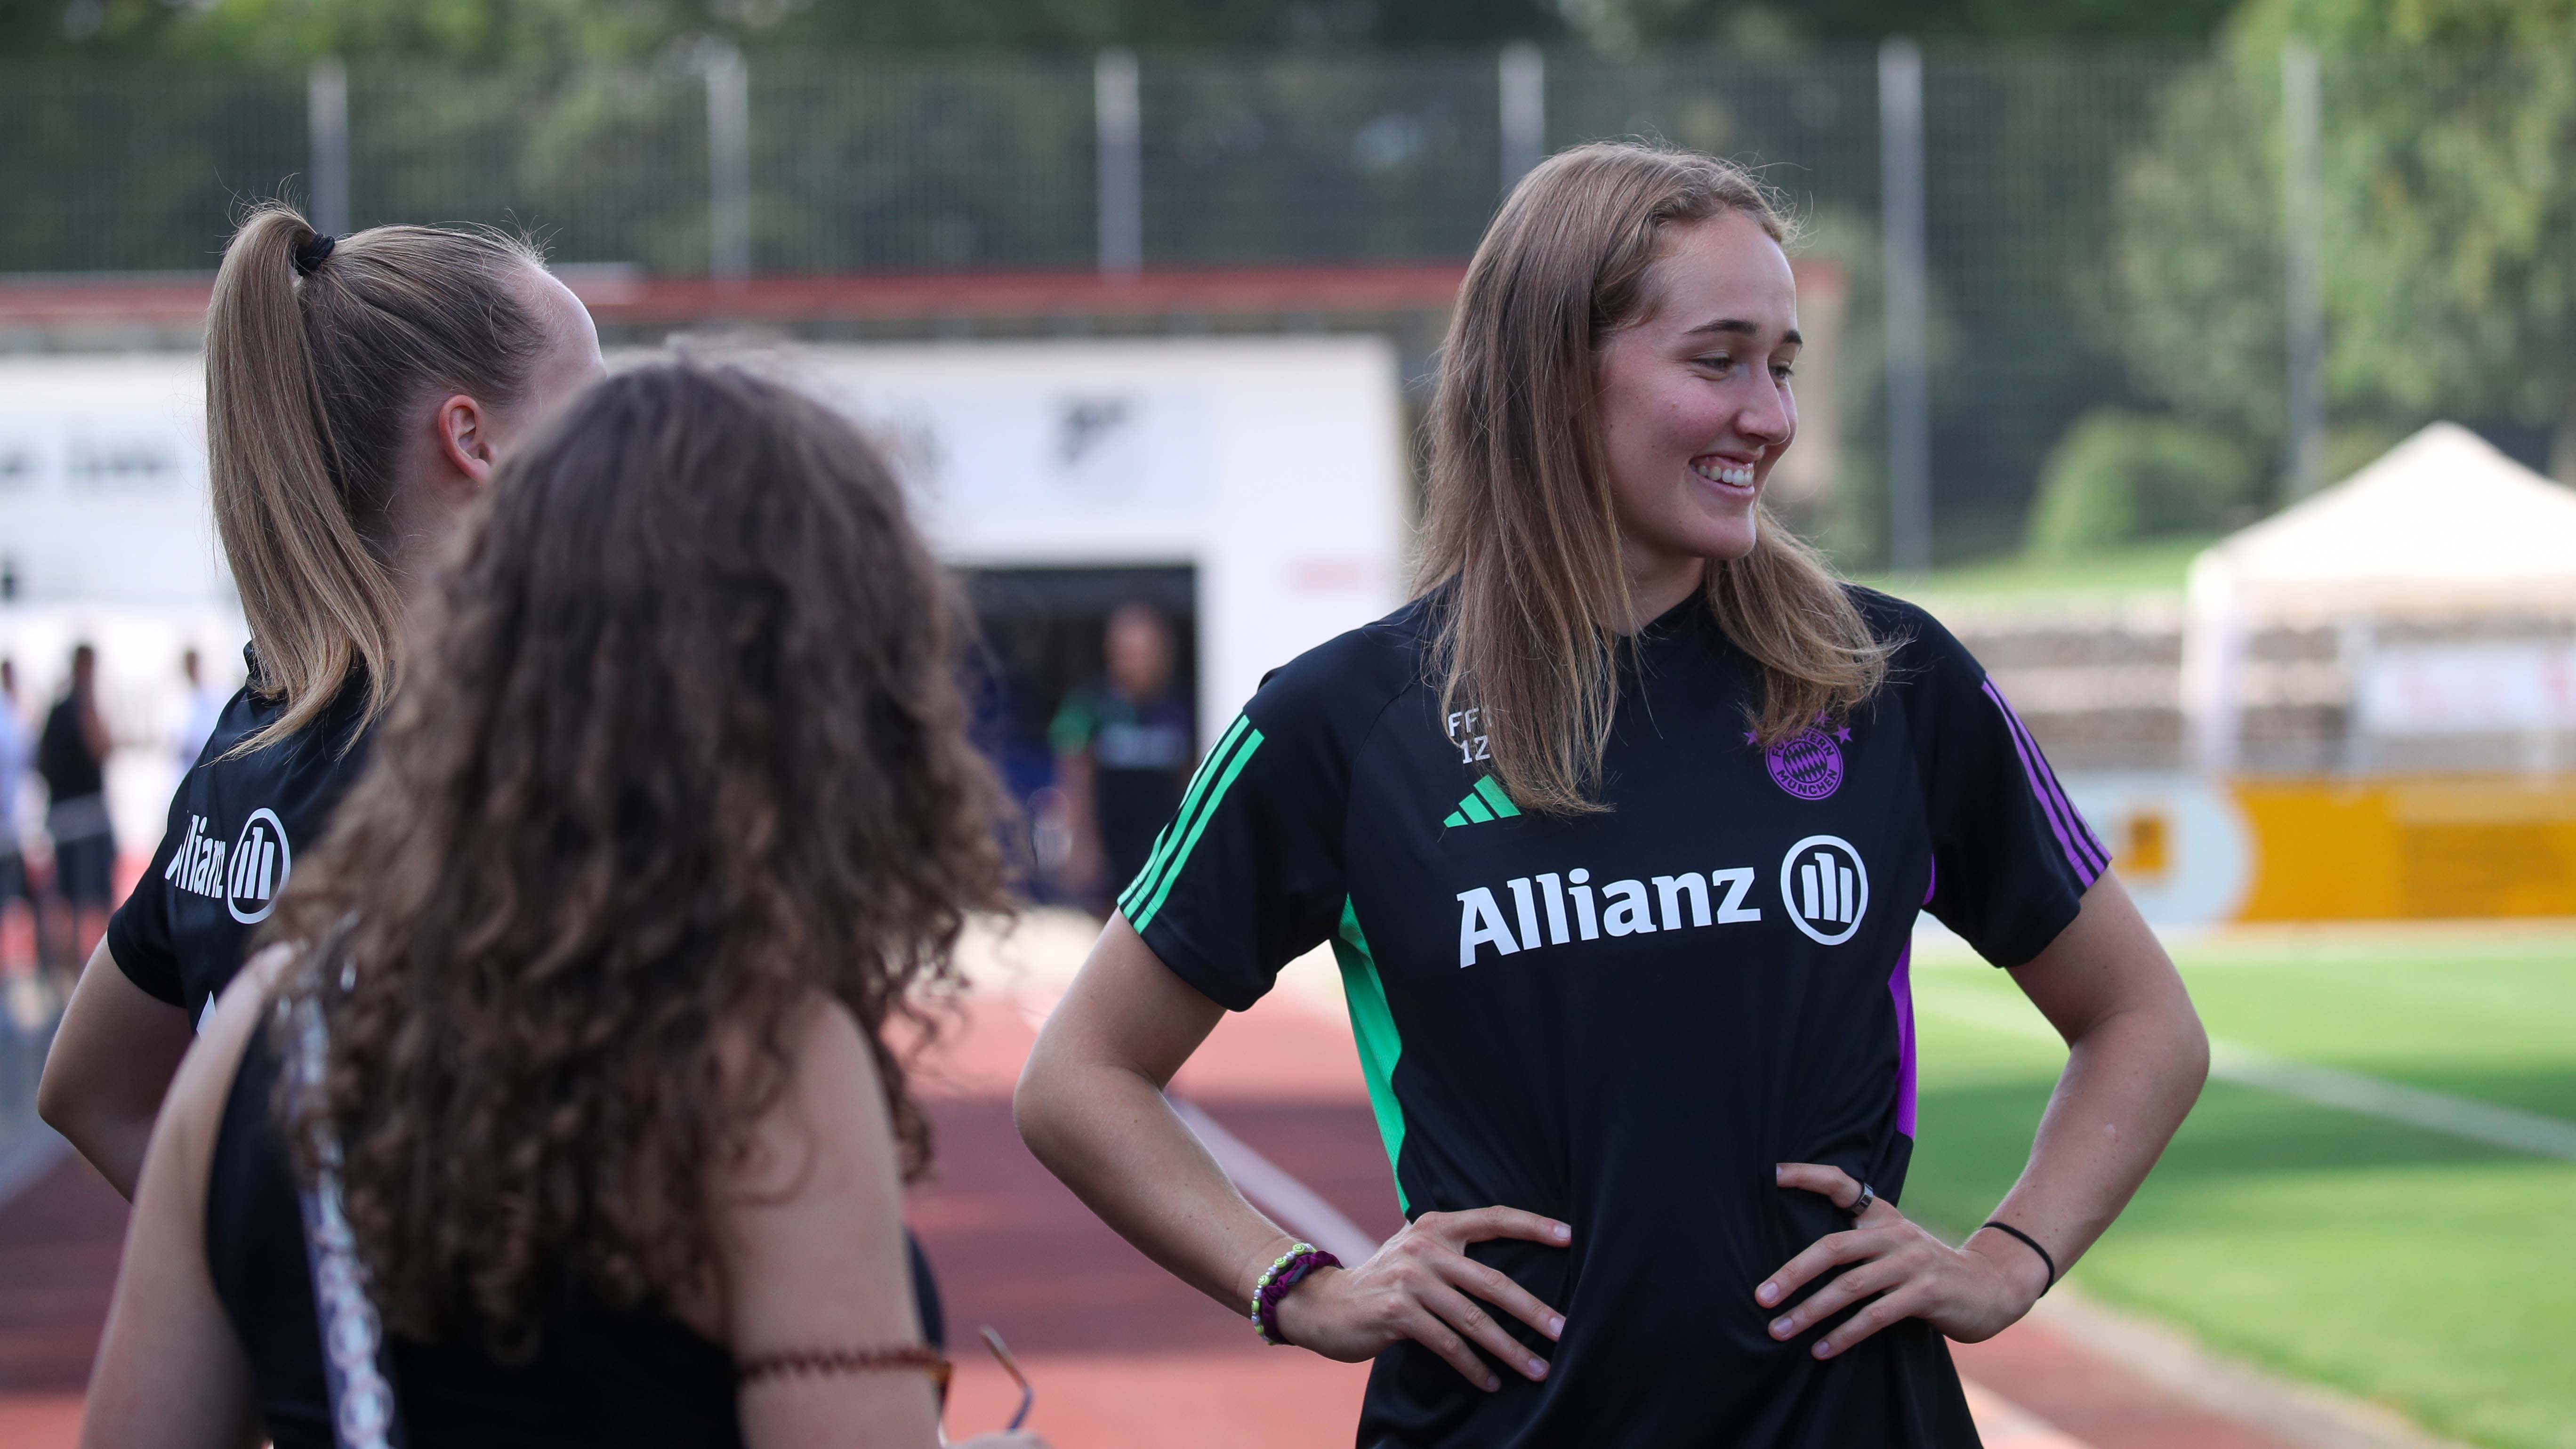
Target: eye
x=1783 y=371
x=1718 y=363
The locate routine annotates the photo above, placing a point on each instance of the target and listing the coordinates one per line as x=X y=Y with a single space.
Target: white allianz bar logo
x=245 y=873
x=1570 y=908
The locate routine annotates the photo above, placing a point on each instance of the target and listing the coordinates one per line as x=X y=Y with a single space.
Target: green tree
x=2450 y=227
x=548 y=33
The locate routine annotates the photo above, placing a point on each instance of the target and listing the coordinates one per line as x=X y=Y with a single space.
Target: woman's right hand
x=1422 y=1285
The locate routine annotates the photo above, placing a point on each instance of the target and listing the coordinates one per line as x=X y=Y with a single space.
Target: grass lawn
x=2434 y=1275
x=2157 y=566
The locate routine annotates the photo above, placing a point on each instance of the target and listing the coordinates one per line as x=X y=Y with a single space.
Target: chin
x=1724 y=540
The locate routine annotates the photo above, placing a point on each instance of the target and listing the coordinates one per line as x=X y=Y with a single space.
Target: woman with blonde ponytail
x=1619 y=832
x=359 y=392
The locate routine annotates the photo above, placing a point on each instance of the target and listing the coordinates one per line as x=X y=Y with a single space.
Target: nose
x=1769 y=416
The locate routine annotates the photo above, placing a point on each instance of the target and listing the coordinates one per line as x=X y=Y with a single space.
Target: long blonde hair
x=315 y=357
x=1522 y=556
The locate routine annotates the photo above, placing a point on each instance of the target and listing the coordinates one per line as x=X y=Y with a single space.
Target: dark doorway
x=1043 y=637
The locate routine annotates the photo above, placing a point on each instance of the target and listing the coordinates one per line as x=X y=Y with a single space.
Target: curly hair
x=685 y=750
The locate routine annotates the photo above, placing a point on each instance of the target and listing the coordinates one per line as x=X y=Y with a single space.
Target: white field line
x=1298 y=1207
x=2506 y=1127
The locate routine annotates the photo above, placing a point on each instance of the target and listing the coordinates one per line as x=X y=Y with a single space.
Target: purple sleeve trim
x=2051 y=803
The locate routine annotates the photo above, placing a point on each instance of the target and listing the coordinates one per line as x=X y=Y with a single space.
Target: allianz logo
x=1823 y=884
x=245 y=873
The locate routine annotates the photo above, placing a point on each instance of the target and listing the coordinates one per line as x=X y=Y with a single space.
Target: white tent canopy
x=2441 y=525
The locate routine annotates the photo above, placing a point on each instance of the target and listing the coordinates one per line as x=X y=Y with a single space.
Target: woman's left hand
x=1897 y=1271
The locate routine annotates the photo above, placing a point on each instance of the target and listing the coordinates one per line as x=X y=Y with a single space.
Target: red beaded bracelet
x=1285 y=1272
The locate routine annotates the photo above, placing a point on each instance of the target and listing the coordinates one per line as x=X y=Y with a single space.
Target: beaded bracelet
x=1285 y=1272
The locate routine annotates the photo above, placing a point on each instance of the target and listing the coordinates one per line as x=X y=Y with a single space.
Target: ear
x=464 y=432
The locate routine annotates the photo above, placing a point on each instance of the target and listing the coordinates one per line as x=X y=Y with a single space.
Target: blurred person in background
x=588 y=1000
x=71 y=756
x=1619 y=832
x=360 y=391
x=205 y=709
x=1123 y=749
x=15 y=897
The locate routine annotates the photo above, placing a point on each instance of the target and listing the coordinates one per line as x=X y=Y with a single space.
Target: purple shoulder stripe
x=2085 y=840
x=2052 y=803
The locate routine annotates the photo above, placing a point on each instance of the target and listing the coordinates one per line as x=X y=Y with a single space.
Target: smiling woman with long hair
x=1619 y=832
x=583 y=1006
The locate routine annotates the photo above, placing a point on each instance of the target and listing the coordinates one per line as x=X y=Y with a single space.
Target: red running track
x=1123 y=1356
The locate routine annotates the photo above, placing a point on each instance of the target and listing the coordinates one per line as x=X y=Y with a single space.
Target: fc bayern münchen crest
x=1808 y=764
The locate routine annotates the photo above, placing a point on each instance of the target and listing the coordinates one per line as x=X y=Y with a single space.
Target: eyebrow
x=1742 y=328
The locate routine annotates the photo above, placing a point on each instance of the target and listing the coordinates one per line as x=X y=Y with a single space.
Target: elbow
x=59 y=1102
x=1031 y=1103
x=2186 y=1054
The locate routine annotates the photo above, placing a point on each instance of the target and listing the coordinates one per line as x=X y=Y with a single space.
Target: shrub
x=2120 y=476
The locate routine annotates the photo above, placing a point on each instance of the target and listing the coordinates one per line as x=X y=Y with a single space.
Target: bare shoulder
x=830 y=1112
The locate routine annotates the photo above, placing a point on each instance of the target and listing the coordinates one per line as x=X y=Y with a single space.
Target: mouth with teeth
x=1725 y=472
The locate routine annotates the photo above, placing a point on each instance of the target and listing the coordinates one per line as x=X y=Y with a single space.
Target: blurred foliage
x=2119 y=477
x=1627 y=24
x=2450 y=189
x=547 y=33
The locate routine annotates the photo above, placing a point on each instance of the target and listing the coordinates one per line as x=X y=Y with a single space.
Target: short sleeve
x=138 y=935
x=1248 y=875
x=2011 y=857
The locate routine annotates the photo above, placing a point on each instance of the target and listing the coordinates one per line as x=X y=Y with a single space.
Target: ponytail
x=316 y=353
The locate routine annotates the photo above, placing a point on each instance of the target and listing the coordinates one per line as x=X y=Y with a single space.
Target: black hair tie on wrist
x=2045 y=1261
x=310 y=255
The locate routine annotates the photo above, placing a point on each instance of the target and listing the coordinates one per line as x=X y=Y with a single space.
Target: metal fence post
x=728 y=82
x=326 y=119
x=2303 y=256
x=1909 y=409
x=1522 y=76
x=1118 y=118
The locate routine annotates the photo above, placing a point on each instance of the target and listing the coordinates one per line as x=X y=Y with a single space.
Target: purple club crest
x=1808 y=764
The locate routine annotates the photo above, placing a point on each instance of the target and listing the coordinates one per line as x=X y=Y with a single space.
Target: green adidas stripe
x=1485 y=803
x=1207 y=770
x=1380 y=1044
x=1207 y=812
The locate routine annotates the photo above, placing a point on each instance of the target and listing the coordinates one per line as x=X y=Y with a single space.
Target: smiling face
x=1695 y=406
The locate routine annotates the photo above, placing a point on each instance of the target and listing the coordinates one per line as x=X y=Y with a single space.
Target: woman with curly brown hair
x=576 y=1063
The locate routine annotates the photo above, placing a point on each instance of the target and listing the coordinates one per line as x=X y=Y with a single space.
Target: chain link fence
x=2102 y=230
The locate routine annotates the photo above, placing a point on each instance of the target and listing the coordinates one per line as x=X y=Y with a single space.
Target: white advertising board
x=103 y=481
x=1273 y=466
x=2469 y=688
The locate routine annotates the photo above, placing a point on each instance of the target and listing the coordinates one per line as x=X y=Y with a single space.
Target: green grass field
x=2428 y=1273
x=2157 y=566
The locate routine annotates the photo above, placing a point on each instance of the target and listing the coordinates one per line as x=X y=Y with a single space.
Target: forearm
x=1111 y=1136
x=2128 y=1083
x=112 y=1061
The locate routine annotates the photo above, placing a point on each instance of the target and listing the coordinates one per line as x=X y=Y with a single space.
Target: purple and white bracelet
x=1285 y=1272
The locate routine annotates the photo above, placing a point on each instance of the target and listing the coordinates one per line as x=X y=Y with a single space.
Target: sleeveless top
x=601 y=1376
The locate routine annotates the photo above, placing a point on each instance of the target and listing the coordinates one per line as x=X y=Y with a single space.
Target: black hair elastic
x=2045 y=1261
x=310 y=255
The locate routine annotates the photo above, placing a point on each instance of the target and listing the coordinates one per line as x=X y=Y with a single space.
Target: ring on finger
x=1860 y=1204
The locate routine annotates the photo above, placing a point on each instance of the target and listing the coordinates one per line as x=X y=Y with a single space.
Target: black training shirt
x=1624 y=1020
x=235 y=828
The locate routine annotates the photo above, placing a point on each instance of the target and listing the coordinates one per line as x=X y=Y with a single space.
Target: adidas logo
x=1486 y=802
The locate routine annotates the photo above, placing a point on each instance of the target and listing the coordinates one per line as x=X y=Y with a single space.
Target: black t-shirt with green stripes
x=1625 y=1019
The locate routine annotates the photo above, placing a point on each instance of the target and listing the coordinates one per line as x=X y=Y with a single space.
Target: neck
x=1659 y=582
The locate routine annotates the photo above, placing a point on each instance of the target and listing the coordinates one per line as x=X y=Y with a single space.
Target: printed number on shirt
x=1471 y=746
